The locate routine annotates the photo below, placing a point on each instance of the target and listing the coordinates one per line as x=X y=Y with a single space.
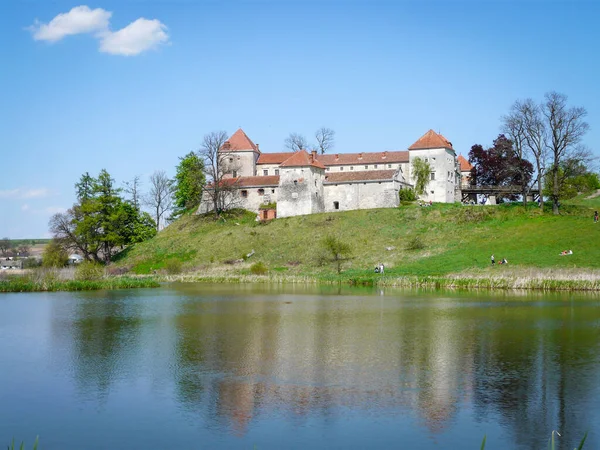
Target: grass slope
x=455 y=238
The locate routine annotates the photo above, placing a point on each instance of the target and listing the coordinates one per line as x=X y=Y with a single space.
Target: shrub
x=336 y=251
x=89 y=271
x=258 y=268
x=31 y=263
x=407 y=195
x=54 y=255
x=173 y=266
x=415 y=243
x=118 y=270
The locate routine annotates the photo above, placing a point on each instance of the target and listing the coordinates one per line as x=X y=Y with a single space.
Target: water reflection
x=439 y=365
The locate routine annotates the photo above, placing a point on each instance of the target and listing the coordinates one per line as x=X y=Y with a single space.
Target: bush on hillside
x=173 y=266
x=415 y=243
x=407 y=195
x=258 y=268
x=89 y=271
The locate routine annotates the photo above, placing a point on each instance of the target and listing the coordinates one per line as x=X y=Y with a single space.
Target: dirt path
x=594 y=195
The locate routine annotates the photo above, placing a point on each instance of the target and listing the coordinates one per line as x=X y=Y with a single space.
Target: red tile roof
x=273 y=158
x=465 y=166
x=239 y=182
x=363 y=158
x=431 y=139
x=238 y=142
x=302 y=159
x=360 y=175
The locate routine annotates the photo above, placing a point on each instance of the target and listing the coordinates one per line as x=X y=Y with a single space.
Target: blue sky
x=132 y=97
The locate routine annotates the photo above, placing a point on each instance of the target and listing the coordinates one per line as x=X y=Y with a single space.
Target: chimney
x=258 y=147
x=360 y=156
x=337 y=156
x=384 y=155
x=313 y=155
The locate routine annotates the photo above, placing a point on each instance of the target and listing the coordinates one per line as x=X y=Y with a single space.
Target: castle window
x=389 y=166
x=235 y=174
x=431 y=192
x=244 y=193
x=375 y=166
x=366 y=167
x=276 y=171
x=433 y=175
x=295 y=181
x=272 y=191
x=351 y=167
x=230 y=160
x=265 y=172
x=336 y=205
x=261 y=192
x=341 y=168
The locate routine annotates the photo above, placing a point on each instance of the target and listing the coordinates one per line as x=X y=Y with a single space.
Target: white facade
x=348 y=196
x=301 y=191
x=442 y=184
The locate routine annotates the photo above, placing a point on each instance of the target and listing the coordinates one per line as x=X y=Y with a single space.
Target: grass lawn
x=454 y=239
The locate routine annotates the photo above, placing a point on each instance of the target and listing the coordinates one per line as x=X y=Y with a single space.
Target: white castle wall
x=300 y=191
x=443 y=163
x=361 y=195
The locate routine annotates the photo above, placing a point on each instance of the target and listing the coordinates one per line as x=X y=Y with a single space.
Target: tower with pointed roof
x=439 y=153
x=301 y=185
x=241 y=155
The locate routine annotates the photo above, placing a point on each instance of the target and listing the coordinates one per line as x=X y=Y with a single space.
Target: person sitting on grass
x=566 y=252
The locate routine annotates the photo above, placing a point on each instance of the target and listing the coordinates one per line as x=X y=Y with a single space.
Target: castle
x=300 y=183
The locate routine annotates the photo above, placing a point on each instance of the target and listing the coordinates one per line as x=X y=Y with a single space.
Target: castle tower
x=242 y=154
x=301 y=185
x=438 y=151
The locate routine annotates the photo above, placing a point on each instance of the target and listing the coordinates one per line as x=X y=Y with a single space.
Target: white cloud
x=24 y=193
x=25 y=207
x=80 y=19
x=138 y=36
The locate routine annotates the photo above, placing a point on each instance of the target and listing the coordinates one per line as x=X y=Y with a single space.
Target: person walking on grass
x=493 y=260
x=595 y=216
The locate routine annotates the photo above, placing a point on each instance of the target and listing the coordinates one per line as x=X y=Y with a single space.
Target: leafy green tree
x=101 y=222
x=421 y=171
x=189 y=181
x=337 y=251
x=573 y=178
x=54 y=255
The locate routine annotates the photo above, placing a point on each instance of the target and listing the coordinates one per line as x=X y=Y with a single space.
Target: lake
x=192 y=366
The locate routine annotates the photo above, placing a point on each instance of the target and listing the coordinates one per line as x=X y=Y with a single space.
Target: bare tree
x=220 y=167
x=296 y=142
x=133 y=189
x=566 y=128
x=325 y=139
x=527 y=132
x=160 y=196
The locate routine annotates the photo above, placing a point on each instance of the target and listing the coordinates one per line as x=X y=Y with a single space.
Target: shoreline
x=533 y=279
x=541 y=281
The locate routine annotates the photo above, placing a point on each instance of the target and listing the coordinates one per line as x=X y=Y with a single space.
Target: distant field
x=410 y=240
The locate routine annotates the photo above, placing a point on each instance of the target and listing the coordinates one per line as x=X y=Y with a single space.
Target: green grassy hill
x=410 y=240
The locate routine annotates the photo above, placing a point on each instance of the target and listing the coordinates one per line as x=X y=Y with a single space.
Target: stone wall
x=242 y=162
x=361 y=195
x=300 y=191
